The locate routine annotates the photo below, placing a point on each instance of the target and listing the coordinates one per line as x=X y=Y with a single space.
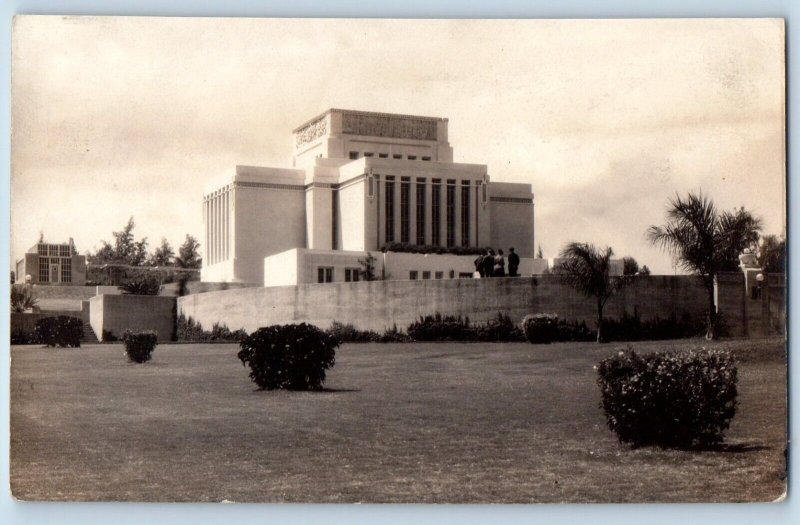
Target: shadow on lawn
x=737 y=448
x=318 y=391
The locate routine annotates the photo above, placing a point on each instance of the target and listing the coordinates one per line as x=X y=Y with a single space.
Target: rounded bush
x=139 y=346
x=292 y=357
x=669 y=399
x=540 y=328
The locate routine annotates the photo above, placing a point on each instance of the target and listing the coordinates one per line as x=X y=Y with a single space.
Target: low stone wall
x=26 y=322
x=378 y=305
x=117 y=313
x=192 y=287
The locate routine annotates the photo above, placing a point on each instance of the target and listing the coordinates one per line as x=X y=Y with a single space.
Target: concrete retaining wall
x=117 y=313
x=378 y=305
x=27 y=322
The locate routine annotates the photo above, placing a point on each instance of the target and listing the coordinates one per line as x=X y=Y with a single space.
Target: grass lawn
x=444 y=422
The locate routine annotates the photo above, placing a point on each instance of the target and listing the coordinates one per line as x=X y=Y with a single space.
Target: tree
x=644 y=270
x=367 y=271
x=772 y=254
x=704 y=242
x=587 y=270
x=188 y=254
x=539 y=254
x=163 y=255
x=125 y=250
x=629 y=266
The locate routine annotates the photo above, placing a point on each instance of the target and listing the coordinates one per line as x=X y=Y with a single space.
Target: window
x=420 y=211
x=426 y=275
x=41 y=249
x=465 y=213
x=397 y=156
x=412 y=157
x=383 y=155
x=351 y=275
x=436 y=212
x=464 y=275
x=63 y=251
x=405 y=209
x=452 y=274
x=451 y=213
x=44 y=269
x=439 y=275
x=324 y=274
x=412 y=275
x=66 y=270
x=334 y=219
x=389 y=209
x=426 y=158
x=367 y=154
x=353 y=154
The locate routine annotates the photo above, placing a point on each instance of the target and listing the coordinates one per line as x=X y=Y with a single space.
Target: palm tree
x=704 y=242
x=587 y=270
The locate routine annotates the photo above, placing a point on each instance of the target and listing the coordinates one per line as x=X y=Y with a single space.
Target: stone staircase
x=89 y=337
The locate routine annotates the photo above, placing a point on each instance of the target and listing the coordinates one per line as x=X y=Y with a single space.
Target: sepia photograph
x=316 y=260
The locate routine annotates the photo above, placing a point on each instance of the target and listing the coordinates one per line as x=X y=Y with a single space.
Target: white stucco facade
x=360 y=181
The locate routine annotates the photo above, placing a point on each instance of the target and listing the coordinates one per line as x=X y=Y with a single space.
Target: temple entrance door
x=55 y=272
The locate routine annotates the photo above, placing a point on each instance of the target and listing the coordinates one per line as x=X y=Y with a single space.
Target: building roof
x=365 y=113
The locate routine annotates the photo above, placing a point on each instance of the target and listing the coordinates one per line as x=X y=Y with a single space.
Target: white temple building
x=361 y=182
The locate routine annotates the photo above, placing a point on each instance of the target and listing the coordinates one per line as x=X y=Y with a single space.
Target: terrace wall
x=378 y=305
x=117 y=313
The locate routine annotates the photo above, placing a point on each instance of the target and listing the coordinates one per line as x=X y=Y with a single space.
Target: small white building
x=361 y=182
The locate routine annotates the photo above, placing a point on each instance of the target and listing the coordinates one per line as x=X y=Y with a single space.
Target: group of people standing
x=490 y=264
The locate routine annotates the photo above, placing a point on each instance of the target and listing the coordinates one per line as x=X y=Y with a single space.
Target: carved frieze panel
x=311 y=132
x=388 y=126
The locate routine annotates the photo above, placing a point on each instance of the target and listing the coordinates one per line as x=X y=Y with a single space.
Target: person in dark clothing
x=479 y=265
x=488 y=263
x=513 y=263
x=499 y=265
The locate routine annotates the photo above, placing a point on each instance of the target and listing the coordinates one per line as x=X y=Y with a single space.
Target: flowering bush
x=440 y=327
x=293 y=356
x=139 y=346
x=670 y=399
x=540 y=328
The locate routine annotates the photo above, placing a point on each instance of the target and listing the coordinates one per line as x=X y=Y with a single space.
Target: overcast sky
x=120 y=117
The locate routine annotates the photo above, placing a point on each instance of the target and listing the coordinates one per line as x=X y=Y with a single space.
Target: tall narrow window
x=44 y=270
x=451 y=213
x=405 y=209
x=465 y=213
x=436 y=212
x=324 y=274
x=66 y=270
x=334 y=220
x=389 y=209
x=420 y=211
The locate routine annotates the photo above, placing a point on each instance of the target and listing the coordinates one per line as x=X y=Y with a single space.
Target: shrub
x=60 y=331
x=500 y=329
x=109 y=337
x=540 y=328
x=142 y=284
x=399 y=247
x=189 y=330
x=22 y=298
x=574 y=331
x=632 y=328
x=293 y=356
x=347 y=333
x=393 y=335
x=23 y=337
x=677 y=399
x=440 y=328
x=139 y=346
